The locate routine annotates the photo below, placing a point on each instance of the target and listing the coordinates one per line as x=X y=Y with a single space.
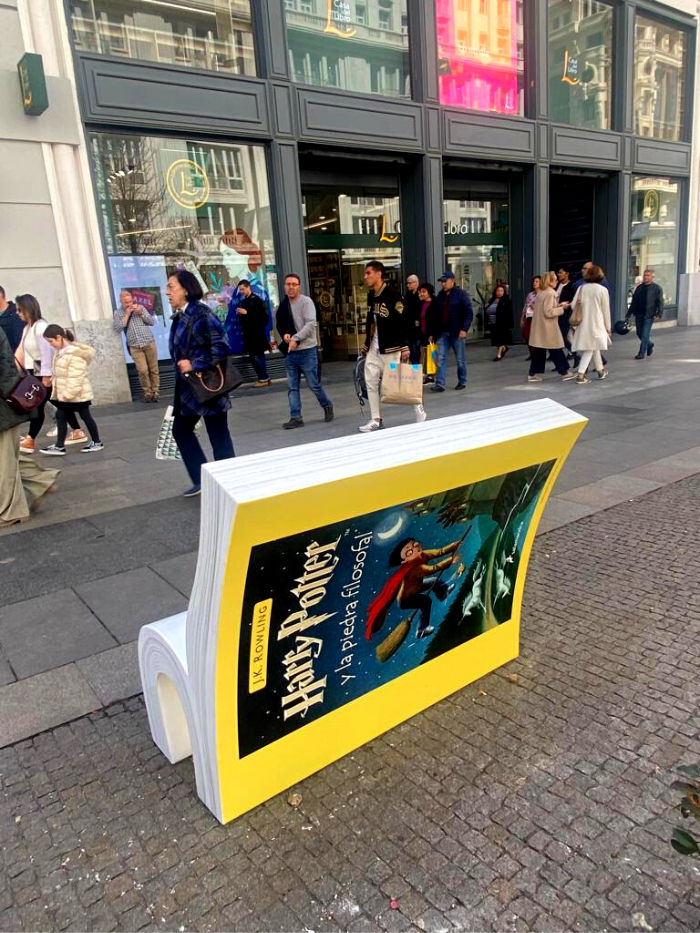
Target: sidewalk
x=116 y=547
x=535 y=800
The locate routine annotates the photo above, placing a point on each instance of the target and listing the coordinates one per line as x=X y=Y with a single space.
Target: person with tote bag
x=387 y=334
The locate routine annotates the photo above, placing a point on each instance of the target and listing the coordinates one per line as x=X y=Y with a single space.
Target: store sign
x=187 y=184
x=385 y=237
x=651 y=204
x=32 y=82
x=339 y=19
x=571 y=75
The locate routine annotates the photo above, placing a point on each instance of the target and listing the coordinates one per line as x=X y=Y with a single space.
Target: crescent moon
x=385 y=535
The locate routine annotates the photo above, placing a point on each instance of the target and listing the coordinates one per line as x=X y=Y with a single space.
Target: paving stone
x=179 y=572
x=114 y=674
x=126 y=601
x=45 y=633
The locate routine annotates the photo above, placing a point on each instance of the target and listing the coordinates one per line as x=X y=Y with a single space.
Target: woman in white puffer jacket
x=72 y=392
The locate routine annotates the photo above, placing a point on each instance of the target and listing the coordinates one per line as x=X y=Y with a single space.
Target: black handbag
x=211 y=383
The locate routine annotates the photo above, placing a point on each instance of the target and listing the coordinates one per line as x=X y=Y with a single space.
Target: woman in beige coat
x=545 y=333
x=72 y=392
x=591 y=307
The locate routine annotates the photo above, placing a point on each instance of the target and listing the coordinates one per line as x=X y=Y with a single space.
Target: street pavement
x=536 y=802
x=536 y=799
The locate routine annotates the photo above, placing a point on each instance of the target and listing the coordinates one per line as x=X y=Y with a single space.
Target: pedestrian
x=591 y=314
x=10 y=321
x=526 y=315
x=387 y=333
x=500 y=312
x=23 y=483
x=451 y=319
x=296 y=323
x=545 y=334
x=35 y=354
x=254 y=323
x=426 y=293
x=71 y=391
x=565 y=291
x=197 y=342
x=412 y=307
x=136 y=323
x=647 y=306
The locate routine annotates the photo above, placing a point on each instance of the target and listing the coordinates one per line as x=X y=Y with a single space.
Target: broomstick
x=393 y=641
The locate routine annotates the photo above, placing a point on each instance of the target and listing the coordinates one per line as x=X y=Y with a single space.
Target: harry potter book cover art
x=332 y=613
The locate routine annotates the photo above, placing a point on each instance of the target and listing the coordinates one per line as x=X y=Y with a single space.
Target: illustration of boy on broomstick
x=411 y=587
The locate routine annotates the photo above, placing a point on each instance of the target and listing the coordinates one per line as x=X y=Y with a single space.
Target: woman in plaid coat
x=197 y=341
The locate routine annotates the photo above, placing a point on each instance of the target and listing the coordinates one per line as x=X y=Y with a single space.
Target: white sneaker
x=53 y=432
x=534 y=378
x=421 y=414
x=371 y=426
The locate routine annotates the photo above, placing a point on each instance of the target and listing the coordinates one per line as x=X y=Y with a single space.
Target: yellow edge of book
x=245 y=783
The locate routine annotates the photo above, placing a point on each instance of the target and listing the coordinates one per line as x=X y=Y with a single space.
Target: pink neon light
x=481 y=77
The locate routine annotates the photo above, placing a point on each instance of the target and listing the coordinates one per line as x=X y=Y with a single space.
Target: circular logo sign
x=651 y=204
x=187 y=184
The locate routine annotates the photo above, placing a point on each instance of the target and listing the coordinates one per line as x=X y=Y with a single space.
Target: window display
x=216 y=35
x=654 y=235
x=659 y=79
x=480 y=54
x=580 y=62
x=169 y=203
x=356 y=45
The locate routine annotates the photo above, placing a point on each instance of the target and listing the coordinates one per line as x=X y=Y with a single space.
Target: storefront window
x=480 y=52
x=167 y=204
x=343 y=232
x=355 y=45
x=215 y=35
x=654 y=235
x=659 y=79
x=580 y=62
x=476 y=248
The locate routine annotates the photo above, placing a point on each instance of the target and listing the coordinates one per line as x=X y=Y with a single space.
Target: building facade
x=249 y=138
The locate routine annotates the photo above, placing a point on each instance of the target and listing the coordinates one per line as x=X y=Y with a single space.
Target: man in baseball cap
x=452 y=319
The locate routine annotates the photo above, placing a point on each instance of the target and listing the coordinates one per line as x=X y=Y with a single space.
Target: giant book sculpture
x=344 y=586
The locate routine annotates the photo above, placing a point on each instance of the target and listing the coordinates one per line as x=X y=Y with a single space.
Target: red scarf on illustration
x=382 y=602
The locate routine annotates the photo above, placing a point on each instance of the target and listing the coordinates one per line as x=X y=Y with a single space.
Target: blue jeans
x=260 y=366
x=306 y=362
x=444 y=342
x=644 y=325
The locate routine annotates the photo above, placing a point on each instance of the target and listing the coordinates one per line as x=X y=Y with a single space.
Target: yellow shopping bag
x=431 y=359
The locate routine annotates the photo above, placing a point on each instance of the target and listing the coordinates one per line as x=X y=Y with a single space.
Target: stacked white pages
x=344 y=586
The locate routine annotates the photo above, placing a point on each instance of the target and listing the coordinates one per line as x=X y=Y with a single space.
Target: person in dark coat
x=197 y=342
x=647 y=306
x=412 y=307
x=451 y=317
x=500 y=312
x=254 y=321
x=10 y=321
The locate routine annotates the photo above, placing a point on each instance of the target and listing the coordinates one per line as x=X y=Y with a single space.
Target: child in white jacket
x=71 y=389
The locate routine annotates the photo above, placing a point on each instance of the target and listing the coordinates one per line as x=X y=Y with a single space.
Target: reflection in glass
x=476 y=250
x=215 y=35
x=343 y=232
x=580 y=62
x=171 y=203
x=654 y=234
x=659 y=79
x=480 y=51
x=355 y=45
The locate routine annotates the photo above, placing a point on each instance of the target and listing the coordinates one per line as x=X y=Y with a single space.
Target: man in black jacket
x=412 y=307
x=253 y=318
x=10 y=321
x=647 y=306
x=387 y=334
x=452 y=316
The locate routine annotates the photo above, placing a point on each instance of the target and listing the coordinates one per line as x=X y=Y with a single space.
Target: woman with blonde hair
x=545 y=333
x=590 y=319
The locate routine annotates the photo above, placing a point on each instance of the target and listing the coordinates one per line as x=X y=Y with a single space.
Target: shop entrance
x=348 y=220
x=580 y=206
x=478 y=230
